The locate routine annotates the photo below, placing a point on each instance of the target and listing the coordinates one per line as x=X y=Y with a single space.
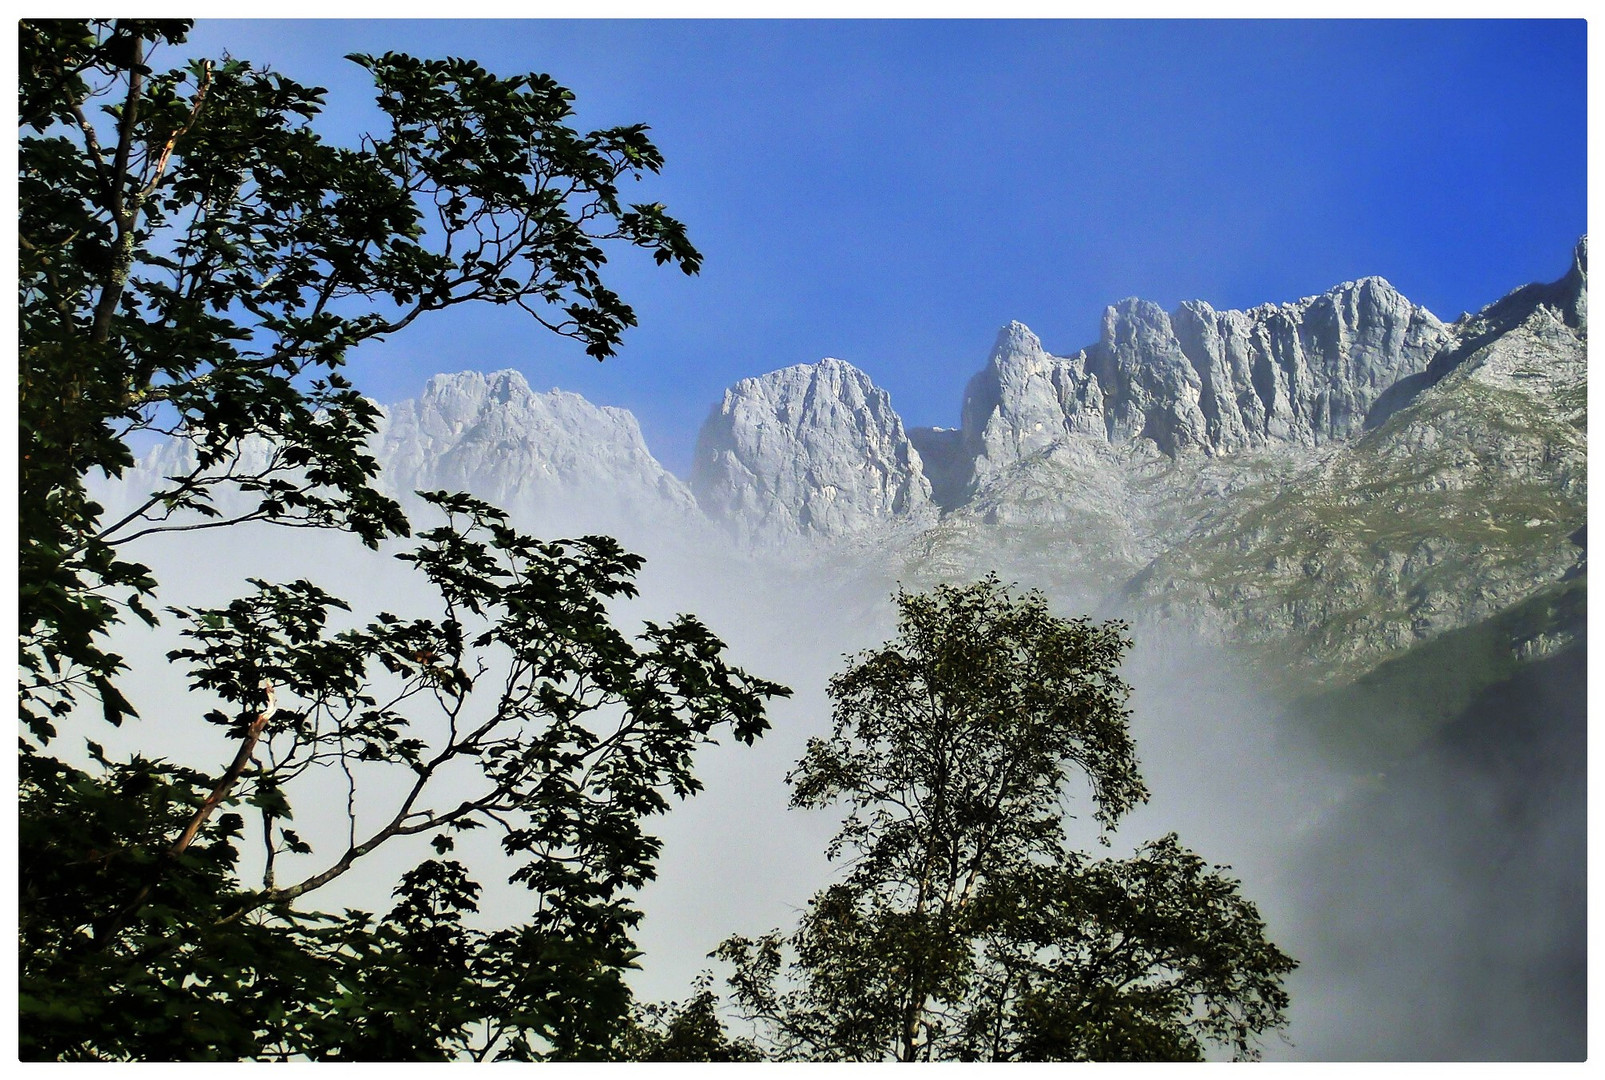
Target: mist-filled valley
x=1436 y=907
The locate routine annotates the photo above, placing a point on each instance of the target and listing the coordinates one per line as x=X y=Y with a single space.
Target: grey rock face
x=1152 y=391
x=810 y=450
x=1261 y=480
x=1530 y=338
x=1302 y=374
x=1465 y=498
x=1331 y=481
x=1025 y=400
x=534 y=454
x=1534 y=340
x=554 y=459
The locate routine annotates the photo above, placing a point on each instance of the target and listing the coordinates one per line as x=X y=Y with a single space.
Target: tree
x=196 y=262
x=522 y=710
x=965 y=927
x=689 y=1030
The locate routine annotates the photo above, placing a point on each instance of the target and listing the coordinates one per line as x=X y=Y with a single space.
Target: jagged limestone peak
x=528 y=451
x=1022 y=402
x=809 y=450
x=1303 y=373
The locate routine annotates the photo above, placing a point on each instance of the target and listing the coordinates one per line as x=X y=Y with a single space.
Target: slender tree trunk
x=124 y=209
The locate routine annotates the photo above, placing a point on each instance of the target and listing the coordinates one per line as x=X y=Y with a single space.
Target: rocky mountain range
x=533 y=454
x=810 y=450
x=1377 y=517
x=1327 y=483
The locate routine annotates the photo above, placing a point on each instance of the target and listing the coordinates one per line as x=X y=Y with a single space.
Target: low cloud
x=1437 y=911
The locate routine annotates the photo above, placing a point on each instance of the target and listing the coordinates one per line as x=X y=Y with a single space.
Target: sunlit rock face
x=1302 y=374
x=531 y=453
x=1533 y=340
x=1326 y=484
x=1337 y=479
x=813 y=450
x=1023 y=401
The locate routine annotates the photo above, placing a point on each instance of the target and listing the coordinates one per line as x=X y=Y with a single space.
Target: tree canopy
x=194 y=260
x=521 y=709
x=965 y=927
x=195 y=263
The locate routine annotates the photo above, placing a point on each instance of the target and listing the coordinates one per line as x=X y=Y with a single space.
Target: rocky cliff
x=534 y=454
x=1464 y=498
x=809 y=450
x=556 y=460
x=1301 y=374
x=1345 y=535
x=1330 y=482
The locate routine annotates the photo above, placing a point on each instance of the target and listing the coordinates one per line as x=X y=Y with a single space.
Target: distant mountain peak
x=816 y=450
x=1302 y=373
x=811 y=449
x=545 y=454
x=1015 y=337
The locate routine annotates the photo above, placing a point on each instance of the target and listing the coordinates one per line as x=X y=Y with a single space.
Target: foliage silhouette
x=965 y=928
x=196 y=262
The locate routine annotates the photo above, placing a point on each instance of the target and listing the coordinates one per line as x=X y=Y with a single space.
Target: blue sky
x=892 y=192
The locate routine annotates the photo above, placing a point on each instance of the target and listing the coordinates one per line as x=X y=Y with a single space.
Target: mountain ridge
x=1327 y=481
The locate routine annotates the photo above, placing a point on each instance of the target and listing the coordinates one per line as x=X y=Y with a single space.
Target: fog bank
x=1437 y=911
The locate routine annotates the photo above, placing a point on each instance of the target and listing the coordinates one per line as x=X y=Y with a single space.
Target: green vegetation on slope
x=1389 y=711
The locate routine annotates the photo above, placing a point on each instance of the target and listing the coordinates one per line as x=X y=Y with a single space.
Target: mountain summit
x=814 y=449
x=1302 y=374
x=1335 y=479
x=531 y=453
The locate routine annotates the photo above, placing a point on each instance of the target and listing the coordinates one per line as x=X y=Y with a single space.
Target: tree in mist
x=965 y=928
x=689 y=1030
x=522 y=710
x=196 y=262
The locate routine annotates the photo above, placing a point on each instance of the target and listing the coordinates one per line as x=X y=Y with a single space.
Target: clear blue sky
x=892 y=192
